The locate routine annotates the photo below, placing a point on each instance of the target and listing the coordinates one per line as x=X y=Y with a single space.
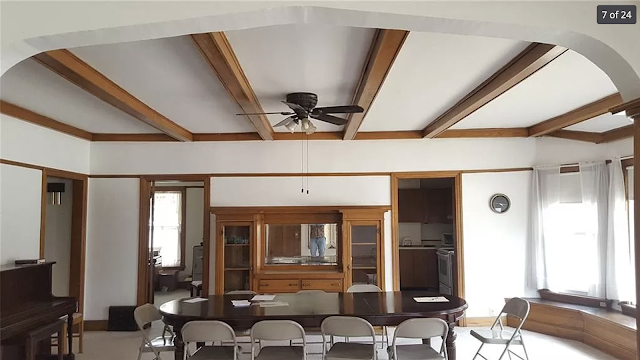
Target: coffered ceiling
x=411 y=85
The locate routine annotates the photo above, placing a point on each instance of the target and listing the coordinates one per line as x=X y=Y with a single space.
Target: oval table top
x=309 y=309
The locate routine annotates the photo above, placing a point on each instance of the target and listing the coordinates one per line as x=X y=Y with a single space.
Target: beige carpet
x=124 y=346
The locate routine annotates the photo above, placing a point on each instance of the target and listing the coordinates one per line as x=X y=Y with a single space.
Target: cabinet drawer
x=323 y=284
x=278 y=285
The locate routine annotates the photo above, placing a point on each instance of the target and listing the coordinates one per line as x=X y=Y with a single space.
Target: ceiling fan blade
x=346 y=109
x=285 y=121
x=270 y=113
x=330 y=119
x=300 y=111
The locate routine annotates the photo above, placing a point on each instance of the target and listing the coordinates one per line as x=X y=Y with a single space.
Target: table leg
x=451 y=342
x=70 y=333
x=179 y=344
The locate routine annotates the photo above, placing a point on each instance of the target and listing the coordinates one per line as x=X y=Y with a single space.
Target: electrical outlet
x=603 y=304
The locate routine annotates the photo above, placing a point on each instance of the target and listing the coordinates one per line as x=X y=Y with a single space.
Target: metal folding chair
x=497 y=335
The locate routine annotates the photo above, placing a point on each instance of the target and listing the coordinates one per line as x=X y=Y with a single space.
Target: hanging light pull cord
x=302 y=165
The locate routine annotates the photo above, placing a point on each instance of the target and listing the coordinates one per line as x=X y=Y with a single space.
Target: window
x=168 y=227
x=571 y=225
x=630 y=211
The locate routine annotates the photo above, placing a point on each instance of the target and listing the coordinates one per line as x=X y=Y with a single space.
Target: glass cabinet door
x=364 y=253
x=237 y=257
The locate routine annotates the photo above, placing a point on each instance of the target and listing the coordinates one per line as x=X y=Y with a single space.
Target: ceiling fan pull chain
x=302 y=164
x=307 y=136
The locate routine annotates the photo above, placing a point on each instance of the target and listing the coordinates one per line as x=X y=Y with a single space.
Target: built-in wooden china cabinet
x=268 y=249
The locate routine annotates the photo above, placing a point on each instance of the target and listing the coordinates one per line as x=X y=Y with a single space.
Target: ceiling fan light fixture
x=306 y=124
x=291 y=126
x=311 y=128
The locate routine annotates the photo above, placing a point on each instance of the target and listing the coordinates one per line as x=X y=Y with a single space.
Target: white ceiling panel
x=36 y=88
x=431 y=74
x=171 y=76
x=601 y=123
x=567 y=83
x=322 y=59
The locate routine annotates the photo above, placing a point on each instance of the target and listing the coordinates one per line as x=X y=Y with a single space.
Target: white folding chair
x=277 y=330
x=145 y=315
x=210 y=331
x=311 y=292
x=420 y=328
x=360 y=288
x=516 y=307
x=241 y=292
x=347 y=326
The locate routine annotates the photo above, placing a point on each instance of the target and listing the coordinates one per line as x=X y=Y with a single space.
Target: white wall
x=195 y=219
x=494 y=244
x=285 y=191
x=112 y=245
x=57 y=237
x=20 y=200
x=32 y=144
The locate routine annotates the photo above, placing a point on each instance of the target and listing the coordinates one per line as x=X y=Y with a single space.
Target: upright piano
x=26 y=303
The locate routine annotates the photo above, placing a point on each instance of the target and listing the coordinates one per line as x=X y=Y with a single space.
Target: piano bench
x=45 y=332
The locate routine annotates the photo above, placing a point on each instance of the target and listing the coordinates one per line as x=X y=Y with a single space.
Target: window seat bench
x=606 y=330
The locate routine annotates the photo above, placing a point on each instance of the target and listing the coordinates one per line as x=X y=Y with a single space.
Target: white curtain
x=594 y=179
x=167 y=226
x=619 y=279
x=544 y=196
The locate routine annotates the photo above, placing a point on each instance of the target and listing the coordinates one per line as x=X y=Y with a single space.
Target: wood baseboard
x=96 y=325
x=483 y=321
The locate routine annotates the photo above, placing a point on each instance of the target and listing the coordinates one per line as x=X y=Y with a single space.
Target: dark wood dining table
x=309 y=309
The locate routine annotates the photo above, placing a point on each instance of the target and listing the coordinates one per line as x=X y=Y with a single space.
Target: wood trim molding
x=617 y=134
x=133 y=137
x=576 y=116
x=220 y=210
x=245 y=136
x=21 y=113
x=532 y=59
x=96 y=325
x=206 y=238
x=384 y=50
x=72 y=68
x=43 y=213
x=217 y=51
x=143 y=241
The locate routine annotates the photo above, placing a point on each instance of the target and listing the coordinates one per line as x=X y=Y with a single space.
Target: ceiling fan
x=303 y=106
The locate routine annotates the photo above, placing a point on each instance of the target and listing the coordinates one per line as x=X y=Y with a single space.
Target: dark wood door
x=431 y=269
x=449 y=201
x=411 y=206
x=436 y=202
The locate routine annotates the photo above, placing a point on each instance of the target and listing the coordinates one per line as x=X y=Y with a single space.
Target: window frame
x=183 y=225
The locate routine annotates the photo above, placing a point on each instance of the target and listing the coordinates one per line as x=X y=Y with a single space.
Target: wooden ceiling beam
x=217 y=51
x=532 y=59
x=576 y=116
x=384 y=50
x=587 y=136
x=484 y=133
x=133 y=137
x=617 y=134
x=41 y=120
x=72 y=68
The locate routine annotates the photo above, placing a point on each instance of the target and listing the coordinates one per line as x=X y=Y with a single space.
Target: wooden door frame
x=395 y=246
x=78 y=228
x=143 y=231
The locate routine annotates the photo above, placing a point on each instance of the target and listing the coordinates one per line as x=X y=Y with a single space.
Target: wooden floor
x=124 y=345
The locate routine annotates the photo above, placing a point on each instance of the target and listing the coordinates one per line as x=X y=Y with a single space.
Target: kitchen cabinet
x=418 y=268
x=411 y=205
x=430 y=206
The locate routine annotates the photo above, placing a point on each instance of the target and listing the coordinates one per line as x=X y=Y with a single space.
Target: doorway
x=427 y=232
x=63 y=231
x=174 y=238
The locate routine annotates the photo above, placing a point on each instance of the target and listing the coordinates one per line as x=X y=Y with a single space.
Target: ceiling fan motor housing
x=307 y=100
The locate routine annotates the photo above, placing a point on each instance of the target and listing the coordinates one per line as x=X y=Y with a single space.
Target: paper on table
x=195 y=300
x=431 y=299
x=273 y=303
x=263 y=297
x=240 y=303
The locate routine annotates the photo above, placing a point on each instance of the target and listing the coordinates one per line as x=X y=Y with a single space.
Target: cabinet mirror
x=301 y=244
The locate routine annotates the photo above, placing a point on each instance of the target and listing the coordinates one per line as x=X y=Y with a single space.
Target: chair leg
x=80 y=336
x=474 y=356
x=526 y=355
x=506 y=350
x=63 y=339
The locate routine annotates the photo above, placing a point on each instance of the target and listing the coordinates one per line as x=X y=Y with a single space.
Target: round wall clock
x=499 y=203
